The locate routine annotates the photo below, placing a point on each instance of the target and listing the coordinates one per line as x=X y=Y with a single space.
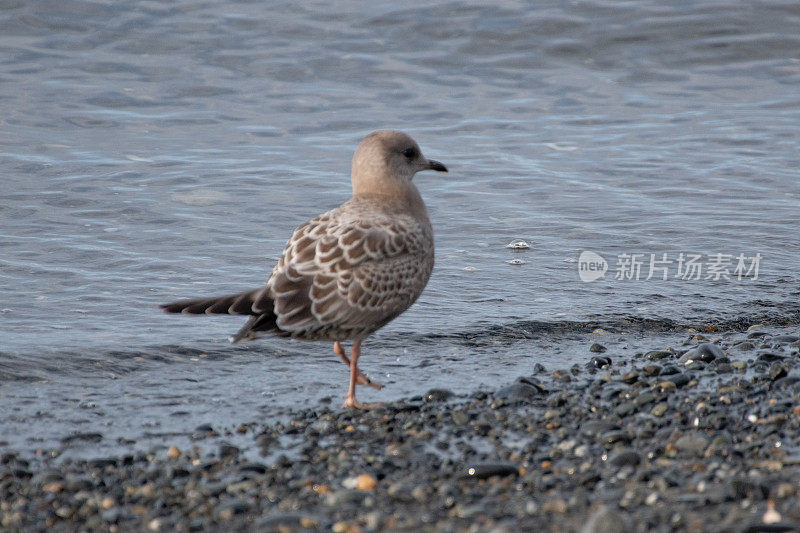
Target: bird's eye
x=410 y=153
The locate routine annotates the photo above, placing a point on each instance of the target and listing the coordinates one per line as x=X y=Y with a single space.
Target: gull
x=348 y=272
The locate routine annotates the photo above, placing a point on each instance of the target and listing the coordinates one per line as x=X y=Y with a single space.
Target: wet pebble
x=522 y=390
x=769 y=357
x=745 y=346
x=488 y=470
x=777 y=371
x=651 y=370
x=561 y=375
x=644 y=399
x=600 y=362
x=692 y=442
x=613 y=437
x=605 y=520
x=679 y=379
x=696 y=366
x=625 y=457
x=705 y=352
x=659 y=409
x=597 y=348
x=657 y=355
x=438 y=395
x=669 y=370
x=227 y=451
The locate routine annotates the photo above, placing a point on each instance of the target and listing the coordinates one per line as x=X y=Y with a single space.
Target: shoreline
x=702 y=436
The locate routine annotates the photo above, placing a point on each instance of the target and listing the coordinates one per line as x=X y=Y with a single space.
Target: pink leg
x=362 y=379
x=350 y=399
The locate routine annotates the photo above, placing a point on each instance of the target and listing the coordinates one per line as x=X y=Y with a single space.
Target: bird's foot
x=350 y=401
x=361 y=378
x=364 y=380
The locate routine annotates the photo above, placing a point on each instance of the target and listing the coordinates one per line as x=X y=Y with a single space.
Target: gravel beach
x=701 y=436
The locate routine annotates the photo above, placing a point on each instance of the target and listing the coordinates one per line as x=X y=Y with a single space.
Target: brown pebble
x=174 y=452
x=320 y=489
x=54 y=487
x=555 y=506
x=366 y=482
x=344 y=527
x=667 y=386
x=309 y=523
x=138 y=510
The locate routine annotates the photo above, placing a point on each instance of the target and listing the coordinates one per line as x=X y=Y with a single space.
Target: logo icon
x=591 y=266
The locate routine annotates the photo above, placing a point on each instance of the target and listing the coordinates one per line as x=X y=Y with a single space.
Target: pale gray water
x=156 y=151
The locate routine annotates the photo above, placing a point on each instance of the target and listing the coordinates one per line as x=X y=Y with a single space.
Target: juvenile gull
x=350 y=271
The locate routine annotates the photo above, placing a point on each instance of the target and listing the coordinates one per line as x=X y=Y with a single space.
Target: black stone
x=669 y=370
x=612 y=437
x=600 y=361
x=437 y=395
x=227 y=451
x=625 y=458
x=487 y=470
x=679 y=380
x=769 y=357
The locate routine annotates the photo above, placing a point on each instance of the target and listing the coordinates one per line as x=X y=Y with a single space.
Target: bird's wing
x=342 y=272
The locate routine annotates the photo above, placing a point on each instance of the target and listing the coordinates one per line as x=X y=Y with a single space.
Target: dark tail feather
x=255 y=302
x=256 y=325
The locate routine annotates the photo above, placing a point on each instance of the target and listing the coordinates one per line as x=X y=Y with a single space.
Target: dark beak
x=435 y=165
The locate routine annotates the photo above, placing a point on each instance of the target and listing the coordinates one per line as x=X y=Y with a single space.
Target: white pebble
x=772 y=516
x=566 y=446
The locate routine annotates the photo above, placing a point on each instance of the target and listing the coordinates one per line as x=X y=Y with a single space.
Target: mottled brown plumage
x=350 y=271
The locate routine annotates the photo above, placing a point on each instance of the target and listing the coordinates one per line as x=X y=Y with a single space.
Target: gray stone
x=626 y=457
x=604 y=520
x=692 y=442
x=657 y=355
